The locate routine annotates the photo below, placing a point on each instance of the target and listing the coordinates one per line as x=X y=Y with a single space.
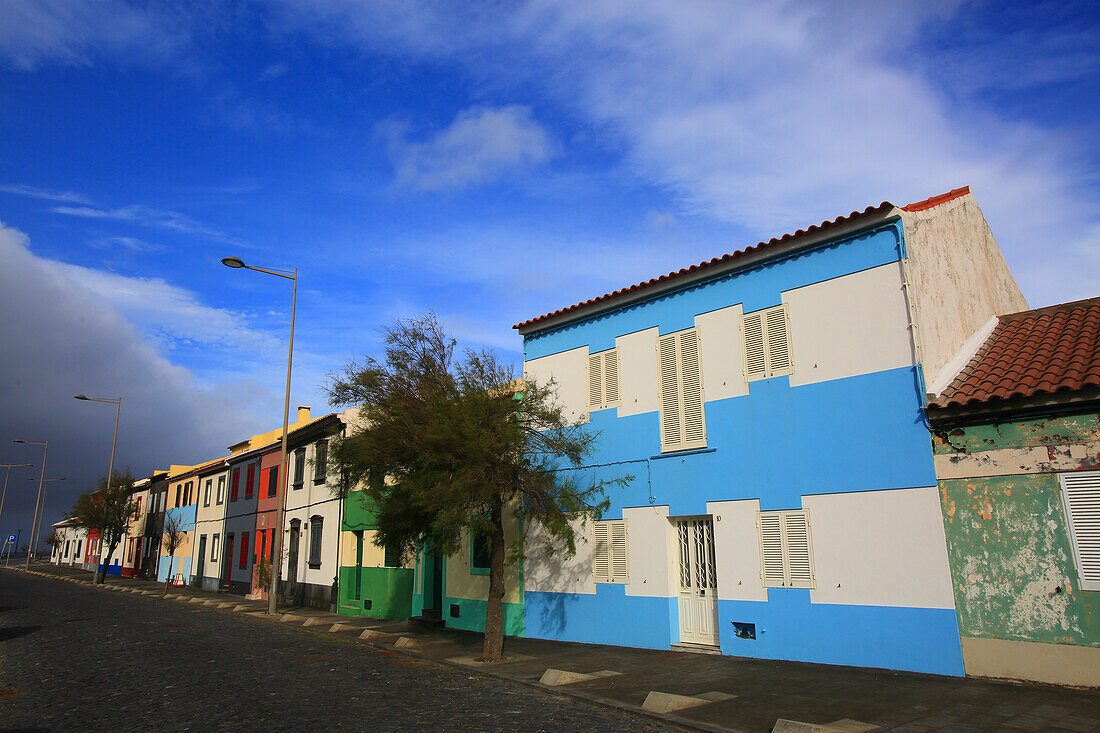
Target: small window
x=320 y=462
x=316 y=534
x=187 y=495
x=603 y=380
x=261 y=546
x=767 y=343
x=221 y=489
x=481 y=549
x=680 y=392
x=1081 y=496
x=272 y=482
x=206 y=492
x=244 y=550
x=214 y=548
x=786 y=556
x=179 y=493
x=609 y=555
x=299 y=467
x=248 y=487
x=391 y=558
x=234 y=485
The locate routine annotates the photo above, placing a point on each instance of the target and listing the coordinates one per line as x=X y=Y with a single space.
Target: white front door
x=698 y=581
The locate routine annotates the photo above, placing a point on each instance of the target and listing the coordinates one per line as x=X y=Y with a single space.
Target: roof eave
x=749 y=259
x=1001 y=410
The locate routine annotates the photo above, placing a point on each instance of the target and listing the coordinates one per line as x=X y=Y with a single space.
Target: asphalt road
x=73 y=657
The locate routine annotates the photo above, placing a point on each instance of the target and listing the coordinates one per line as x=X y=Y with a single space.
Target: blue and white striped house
x=769 y=405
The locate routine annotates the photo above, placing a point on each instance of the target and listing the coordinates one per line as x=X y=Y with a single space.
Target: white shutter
x=611 y=378
x=1081 y=495
x=618 y=552
x=694 y=425
x=601 y=560
x=595 y=382
x=796 y=536
x=669 y=384
x=756 y=366
x=779 y=350
x=771 y=549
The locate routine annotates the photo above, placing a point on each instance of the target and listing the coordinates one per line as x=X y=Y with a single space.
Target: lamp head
x=19 y=441
x=80 y=397
x=234 y=262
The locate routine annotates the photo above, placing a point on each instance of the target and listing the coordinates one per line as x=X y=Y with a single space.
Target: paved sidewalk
x=705 y=692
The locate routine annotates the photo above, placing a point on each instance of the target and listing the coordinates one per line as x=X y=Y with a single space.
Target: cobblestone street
x=74 y=657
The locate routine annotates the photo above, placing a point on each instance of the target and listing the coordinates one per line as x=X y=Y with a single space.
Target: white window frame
x=221 y=490
x=603 y=380
x=680 y=396
x=781 y=534
x=610 y=551
x=1081 y=501
x=214 y=547
x=764 y=355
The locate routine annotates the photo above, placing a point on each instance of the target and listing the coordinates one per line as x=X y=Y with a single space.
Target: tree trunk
x=101 y=571
x=168 y=578
x=494 y=612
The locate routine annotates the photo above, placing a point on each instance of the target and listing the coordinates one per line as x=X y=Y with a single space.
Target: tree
x=446 y=448
x=173 y=539
x=109 y=510
x=56 y=540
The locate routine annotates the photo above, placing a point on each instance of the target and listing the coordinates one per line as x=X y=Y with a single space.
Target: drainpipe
x=918 y=358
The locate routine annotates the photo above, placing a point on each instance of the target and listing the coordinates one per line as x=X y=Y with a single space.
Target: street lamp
x=114 y=440
x=7 y=474
x=34 y=539
x=41 y=479
x=236 y=263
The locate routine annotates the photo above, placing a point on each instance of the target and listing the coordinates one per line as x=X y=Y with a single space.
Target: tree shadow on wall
x=556 y=594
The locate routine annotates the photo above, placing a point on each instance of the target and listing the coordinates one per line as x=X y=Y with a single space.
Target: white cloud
x=169 y=315
x=149 y=217
x=775 y=116
x=70 y=197
x=482 y=144
x=75 y=32
x=61 y=339
x=131 y=243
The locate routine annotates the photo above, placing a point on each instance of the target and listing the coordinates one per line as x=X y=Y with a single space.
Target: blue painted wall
x=776 y=444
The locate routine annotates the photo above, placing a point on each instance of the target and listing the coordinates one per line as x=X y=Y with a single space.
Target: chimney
x=303 y=413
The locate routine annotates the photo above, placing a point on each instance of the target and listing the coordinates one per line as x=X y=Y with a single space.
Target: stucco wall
x=1008 y=543
x=958 y=275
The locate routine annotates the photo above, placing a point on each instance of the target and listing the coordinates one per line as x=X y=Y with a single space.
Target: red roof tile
x=1035 y=352
x=881 y=208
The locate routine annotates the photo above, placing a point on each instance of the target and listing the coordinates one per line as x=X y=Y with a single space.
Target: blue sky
x=489 y=161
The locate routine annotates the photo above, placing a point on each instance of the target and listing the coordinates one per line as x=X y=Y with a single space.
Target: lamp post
x=114 y=440
x=277 y=549
x=41 y=479
x=34 y=538
x=7 y=474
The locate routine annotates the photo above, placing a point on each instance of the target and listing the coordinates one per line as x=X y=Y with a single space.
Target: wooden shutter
x=756 y=366
x=772 y=571
x=779 y=350
x=796 y=536
x=669 y=385
x=1081 y=494
x=601 y=556
x=694 y=426
x=595 y=382
x=767 y=343
x=619 y=568
x=611 y=378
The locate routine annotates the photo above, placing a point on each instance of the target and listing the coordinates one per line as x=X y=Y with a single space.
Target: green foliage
x=107 y=509
x=458 y=442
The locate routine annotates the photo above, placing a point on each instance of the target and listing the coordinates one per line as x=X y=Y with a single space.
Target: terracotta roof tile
x=1035 y=352
x=881 y=208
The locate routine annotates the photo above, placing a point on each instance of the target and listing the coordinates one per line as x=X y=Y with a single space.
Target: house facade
x=243 y=466
x=74 y=541
x=766 y=408
x=210 y=506
x=373 y=580
x=132 y=541
x=153 y=524
x=311 y=527
x=1017 y=440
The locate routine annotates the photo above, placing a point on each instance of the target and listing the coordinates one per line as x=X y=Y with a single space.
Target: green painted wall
x=388 y=589
x=471 y=615
x=1008 y=541
x=1025 y=434
x=358 y=513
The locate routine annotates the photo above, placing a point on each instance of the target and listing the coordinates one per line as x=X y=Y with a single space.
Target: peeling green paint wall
x=1008 y=542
